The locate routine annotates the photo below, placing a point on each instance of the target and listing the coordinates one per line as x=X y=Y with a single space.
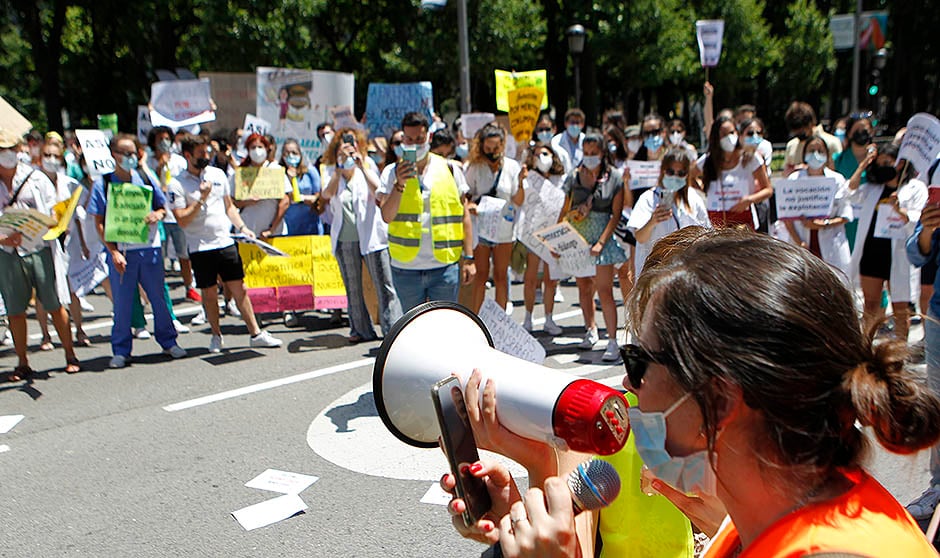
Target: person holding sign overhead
x=495 y=182
x=26 y=265
x=732 y=178
x=264 y=215
x=127 y=207
x=890 y=208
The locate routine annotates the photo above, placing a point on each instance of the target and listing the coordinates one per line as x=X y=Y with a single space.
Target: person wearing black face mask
x=890 y=206
x=801 y=122
x=491 y=175
x=859 y=134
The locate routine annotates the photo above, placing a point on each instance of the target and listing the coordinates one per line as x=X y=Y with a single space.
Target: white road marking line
x=558 y=317
x=268 y=385
x=4 y=448
x=183 y=311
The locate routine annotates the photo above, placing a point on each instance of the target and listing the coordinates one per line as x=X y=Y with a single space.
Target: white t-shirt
x=682 y=216
x=210 y=228
x=732 y=184
x=481 y=179
x=425 y=258
x=37 y=192
x=258 y=216
x=176 y=165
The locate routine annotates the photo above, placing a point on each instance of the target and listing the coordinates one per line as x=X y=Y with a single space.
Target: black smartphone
x=349 y=138
x=460 y=447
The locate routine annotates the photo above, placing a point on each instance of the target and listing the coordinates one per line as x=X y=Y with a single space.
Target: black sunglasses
x=680 y=174
x=636 y=360
x=655 y=132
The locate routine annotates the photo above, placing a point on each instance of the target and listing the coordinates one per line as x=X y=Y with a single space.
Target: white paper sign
x=8 y=422
x=541 y=209
x=574 y=253
x=97 y=152
x=436 y=496
x=473 y=121
x=255 y=125
x=810 y=197
x=489 y=216
x=888 y=222
x=181 y=103
x=265 y=247
x=284 y=482
x=921 y=142
x=709 y=33
x=143 y=123
x=343 y=117
x=724 y=193
x=643 y=174
x=85 y=275
x=508 y=336
x=28 y=222
x=271 y=511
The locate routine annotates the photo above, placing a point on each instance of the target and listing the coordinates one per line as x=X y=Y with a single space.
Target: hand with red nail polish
x=503 y=493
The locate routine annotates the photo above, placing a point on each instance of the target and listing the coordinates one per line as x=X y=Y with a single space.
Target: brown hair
x=491 y=130
x=681 y=156
x=556 y=168
x=740 y=308
x=362 y=144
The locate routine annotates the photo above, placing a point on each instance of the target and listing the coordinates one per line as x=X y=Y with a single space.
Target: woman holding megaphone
x=744 y=396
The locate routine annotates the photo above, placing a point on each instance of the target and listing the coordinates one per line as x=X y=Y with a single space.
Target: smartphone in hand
x=933 y=195
x=460 y=448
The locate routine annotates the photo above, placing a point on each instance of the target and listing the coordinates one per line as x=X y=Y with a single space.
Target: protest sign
x=709 y=33
x=888 y=222
x=725 y=193
x=126 y=213
x=524 y=108
x=507 y=81
x=265 y=247
x=28 y=222
x=255 y=125
x=509 y=336
x=810 y=197
x=143 y=123
x=306 y=278
x=644 y=174
x=387 y=103
x=63 y=211
x=108 y=123
x=296 y=101
x=489 y=216
x=344 y=117
x=262 y=183
x=574 y=254
x=921 y=142
x=181 y=103
x=12 y=120
x=235 y=95
x=85 y=275
x=96 y=151
x=541 y=208
x=471 y=122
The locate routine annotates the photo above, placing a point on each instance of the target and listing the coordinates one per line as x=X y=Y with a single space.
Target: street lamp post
x=576 y=36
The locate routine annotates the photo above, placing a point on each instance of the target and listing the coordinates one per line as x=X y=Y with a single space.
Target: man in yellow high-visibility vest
x=424 y=202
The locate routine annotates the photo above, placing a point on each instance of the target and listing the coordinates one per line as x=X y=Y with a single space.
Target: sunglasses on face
x=753 y=133
x=636 y=360
x=655 y=132
x=680 y=174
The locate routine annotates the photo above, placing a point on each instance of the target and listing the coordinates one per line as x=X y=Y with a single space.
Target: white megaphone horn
x=436 y=339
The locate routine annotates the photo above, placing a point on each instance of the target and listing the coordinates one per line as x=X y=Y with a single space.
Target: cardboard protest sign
x=921 y=142
x=306 y=278
x=63 y=211
x=96 y=150
x=644 y=174
x=524 y=108
x=810 y=197
x=126 y=213
x=387 y=103
x=296 y=101
x=507 y=81
x=471 y=122
x=143 y=123
x=12 y=120
x=181 y=103
x=709 y=33
x=263 y=183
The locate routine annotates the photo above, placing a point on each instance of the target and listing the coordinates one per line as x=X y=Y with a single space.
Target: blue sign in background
x=387 y=103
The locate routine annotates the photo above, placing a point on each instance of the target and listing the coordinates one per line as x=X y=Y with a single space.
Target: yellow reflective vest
x=404 y=232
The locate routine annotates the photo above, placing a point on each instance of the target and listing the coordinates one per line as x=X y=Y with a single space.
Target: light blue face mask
x=653 y=143
x=673 y=183
x=349 y=163
x=691 y=474
x=462 y=151
x=574 y=130
x=591 y=161
x=815 y=160
x=129 y=163
x=840 y=134
x=546 y=137
x=398 y=151
x=753 y=140
x=292 y=160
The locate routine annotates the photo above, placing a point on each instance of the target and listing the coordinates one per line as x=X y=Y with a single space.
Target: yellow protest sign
x=262 y=183
x=63 y=211
x=327 y=280
x=507 y=81
x=524 y=109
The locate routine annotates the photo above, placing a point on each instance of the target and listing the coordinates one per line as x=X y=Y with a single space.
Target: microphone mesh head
x=594 y=485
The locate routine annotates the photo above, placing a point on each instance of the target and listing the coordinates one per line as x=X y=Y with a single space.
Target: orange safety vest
x=866 y=520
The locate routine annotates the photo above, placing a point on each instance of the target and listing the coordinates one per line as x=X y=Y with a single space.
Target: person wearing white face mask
x=732 y=179
x=264 y=216
x=677 y=138
x=544 y=132
x=824 y=236
x=595 y=202
x=634 y=140
x=668 y=207
x=429 y=226
x=569 y=140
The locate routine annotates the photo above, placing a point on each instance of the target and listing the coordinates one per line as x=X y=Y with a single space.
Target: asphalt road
x=151 y=460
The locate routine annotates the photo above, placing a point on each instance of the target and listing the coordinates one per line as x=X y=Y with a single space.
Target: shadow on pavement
x=342 y=414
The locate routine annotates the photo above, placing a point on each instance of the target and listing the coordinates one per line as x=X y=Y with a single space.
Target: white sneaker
x=175 y=351
x=265 y=339
x=176 y=266
x=590 y=338
x=231 y=309
x=527 y=323
x=7 y=339
x=923 y=507
x=180 y=328
x=509 y=308
x=216 y=344
x=85 y=305
x=119 y=361
x=141 y=333
x=558 y=296
x=199 y=319
x=290 y=319
x=612 y=353
x=550 y=327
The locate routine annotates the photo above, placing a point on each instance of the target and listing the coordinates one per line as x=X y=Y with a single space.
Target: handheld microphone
x=594 y=484
x=436 y=339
